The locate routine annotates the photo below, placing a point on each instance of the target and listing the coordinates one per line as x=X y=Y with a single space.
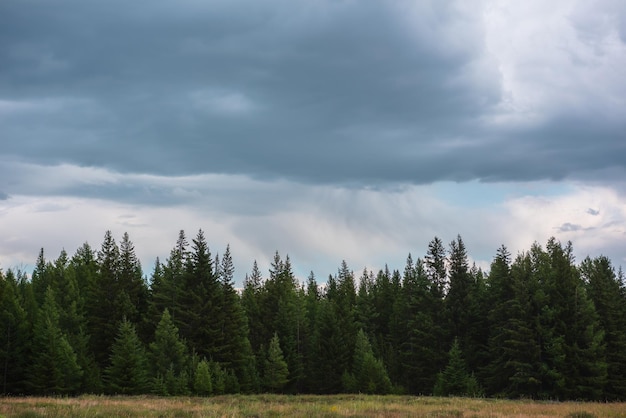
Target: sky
x=326 y=130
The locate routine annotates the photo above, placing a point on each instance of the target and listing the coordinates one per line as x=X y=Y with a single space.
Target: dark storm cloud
x=319 y=91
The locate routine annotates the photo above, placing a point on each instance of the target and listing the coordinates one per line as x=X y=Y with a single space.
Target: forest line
x=537 y=325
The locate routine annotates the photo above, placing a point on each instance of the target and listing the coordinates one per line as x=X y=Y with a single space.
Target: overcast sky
x=326 y=130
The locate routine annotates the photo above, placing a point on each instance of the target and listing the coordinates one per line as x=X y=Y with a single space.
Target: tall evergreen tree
x=368 y=373
x=237 y=353
x=200 y=319
x=168 y=284
x=328 y=348
x=252 y=302
x=103 y=301
x=127 y=373
x=436 y=272
x=168 y=359
x=455 y=379
x=14 y=337
x=54 y=369
x=573 y=351
x=418 y=351
x=73 y=319
x=276 y=371
x=283 y=309
x=609 y=297
x=458 y=296
x=132 y=287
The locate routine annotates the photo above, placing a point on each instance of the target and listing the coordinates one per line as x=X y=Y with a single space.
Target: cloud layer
x=317 y=91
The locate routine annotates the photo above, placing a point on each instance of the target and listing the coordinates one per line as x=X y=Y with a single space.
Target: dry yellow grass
x=304 y=405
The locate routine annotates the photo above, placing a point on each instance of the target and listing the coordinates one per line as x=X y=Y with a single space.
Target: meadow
x=301 y=405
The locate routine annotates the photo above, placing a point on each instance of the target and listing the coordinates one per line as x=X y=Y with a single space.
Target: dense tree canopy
x=536 y=325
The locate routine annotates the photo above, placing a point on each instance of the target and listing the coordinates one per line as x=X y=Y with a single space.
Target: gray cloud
x=593 y=212
x=3 y=195
x=569 y=227
x=315 y=91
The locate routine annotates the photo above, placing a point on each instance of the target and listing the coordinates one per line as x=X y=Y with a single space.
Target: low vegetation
x=304 y=405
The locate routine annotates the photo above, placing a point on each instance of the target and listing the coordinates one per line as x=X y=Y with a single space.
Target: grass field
x=302 y=406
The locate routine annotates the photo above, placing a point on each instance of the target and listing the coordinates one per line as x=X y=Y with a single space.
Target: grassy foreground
x=304 y=405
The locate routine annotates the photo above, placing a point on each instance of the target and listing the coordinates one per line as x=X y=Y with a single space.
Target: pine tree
x=328 y=349
x=573 y=351
x=251 y=300
x=73 y=319
x=54 y=369
x=103 y=301
x=41 y=278
x=14 y=337
x=168 y=358
x=131 y=284
x=608 y=295
x=435 y=309
x=275 y=371
x=458 y=297
x=127 y=373
x=203 y=385
x=283 y=309
x=168 y=284
x=418 y=352
x=199 y=319
x=237 y=353
x=455 y=379
x=368 y=372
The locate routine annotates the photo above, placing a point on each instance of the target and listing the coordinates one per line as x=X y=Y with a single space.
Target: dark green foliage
x=54 y=369
x=276 y=373
x=418 y=350
x=14 y=336
x=168 y=283
x=127 y=373
x=328 y=352
x=535 y=327
x=168 y=359
x=199 y=317
x=454 y=379
x=368 y=373
x=237 y=351
x=609 y=297
x=202 y=384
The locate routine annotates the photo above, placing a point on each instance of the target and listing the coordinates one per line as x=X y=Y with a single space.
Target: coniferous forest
x=537 y=325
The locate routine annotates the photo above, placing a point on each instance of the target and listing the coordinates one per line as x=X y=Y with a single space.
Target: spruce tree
x=573 y=350
x=237 y=352
x=368 y=372
x=455 y=380
x=199 y=319
x=168 y=359
x=103 y=301
x=458 y=297
x=328 y=349
x=202 y=384
x=131 y=284
x=14 y=337
x=252 y=302
x=418 y=351
x=608 y=295
x=54 y=369
x=435 y=309
x=127 y=373
x=276 y=372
